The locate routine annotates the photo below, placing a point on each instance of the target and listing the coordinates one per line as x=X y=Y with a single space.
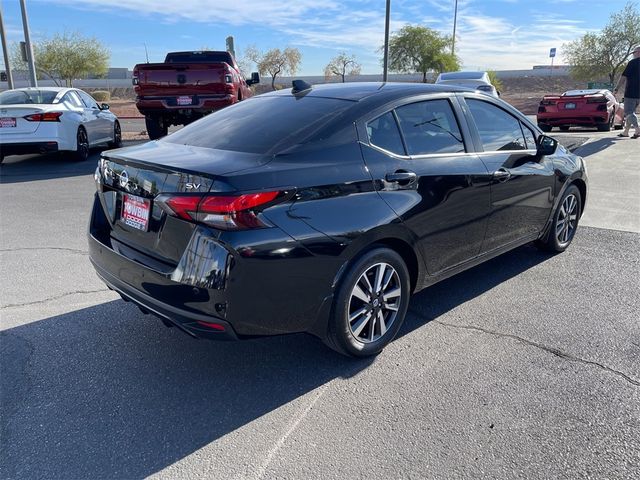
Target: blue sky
x=491 y=34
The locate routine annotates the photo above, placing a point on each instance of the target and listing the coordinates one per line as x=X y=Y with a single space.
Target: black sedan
x=322 y=209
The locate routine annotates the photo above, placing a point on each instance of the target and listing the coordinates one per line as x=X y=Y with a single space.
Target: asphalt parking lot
x=527 y=366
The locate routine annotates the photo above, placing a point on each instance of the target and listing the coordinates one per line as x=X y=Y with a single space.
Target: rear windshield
x=19 y=97
x=261 y=124
x=198 y=57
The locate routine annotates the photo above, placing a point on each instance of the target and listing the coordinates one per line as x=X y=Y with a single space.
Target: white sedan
x=39 y=120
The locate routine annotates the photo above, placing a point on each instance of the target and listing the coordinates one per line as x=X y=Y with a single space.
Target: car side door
x=98 y=123
x=425 y=169
x=522 y=183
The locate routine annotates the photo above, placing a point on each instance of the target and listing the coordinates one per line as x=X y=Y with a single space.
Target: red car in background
x=580 y=108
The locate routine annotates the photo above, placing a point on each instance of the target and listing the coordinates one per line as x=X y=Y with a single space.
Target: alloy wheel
x=83 y=144
x=374 y=302
x=567 y=220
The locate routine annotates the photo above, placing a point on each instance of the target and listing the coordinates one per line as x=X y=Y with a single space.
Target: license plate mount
x=569 y=106
x=8 y=122
x=184 y=100
x=135 y=212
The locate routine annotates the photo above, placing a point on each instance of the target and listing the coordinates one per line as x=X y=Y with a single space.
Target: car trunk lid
x=14 y=119
x=132 y=179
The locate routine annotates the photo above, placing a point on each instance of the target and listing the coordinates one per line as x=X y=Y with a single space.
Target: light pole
x=385 y=61
x=27 y=39
x=5 y=51
x=455 y=19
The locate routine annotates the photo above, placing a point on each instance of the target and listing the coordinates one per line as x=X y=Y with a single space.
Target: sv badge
x=193 y=186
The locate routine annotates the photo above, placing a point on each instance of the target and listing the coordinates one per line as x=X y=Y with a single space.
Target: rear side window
x=383 y=132
x=430 y=127
x=73 y=99
x=498 y=129
x=259 y=125
x=19 y=97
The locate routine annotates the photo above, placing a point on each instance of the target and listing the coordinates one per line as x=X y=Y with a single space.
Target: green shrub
x=101 y=96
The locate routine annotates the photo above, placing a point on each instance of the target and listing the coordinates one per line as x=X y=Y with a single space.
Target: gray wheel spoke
x=368 y=284
x=387 y=278
x=396 y=292
x=372 y=328
x=381 y=322
x=393 y=308
x=359 y=326
x=356 y=314
x=359 y=293
x=379 y=276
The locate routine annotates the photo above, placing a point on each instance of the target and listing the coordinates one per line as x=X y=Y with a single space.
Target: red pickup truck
x=186 y=87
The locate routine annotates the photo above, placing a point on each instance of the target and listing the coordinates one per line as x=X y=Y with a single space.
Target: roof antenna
x=146 y=52
x=300 y=86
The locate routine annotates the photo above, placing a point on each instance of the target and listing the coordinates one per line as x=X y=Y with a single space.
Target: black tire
x=606 y=127
x=545 y=127
x=117 y=136
x=365 y=334
x=564 y=226
x=564 y=128
x=82 y=146
x=156 y=127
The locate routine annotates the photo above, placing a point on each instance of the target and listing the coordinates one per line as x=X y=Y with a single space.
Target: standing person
x=631 y=76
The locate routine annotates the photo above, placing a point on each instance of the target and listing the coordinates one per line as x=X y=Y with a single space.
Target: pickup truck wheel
x=156 y=127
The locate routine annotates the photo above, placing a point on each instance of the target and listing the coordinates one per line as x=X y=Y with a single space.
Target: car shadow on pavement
x=28 y=168
x=435 y=301
x=109 y=392
x=598 y=146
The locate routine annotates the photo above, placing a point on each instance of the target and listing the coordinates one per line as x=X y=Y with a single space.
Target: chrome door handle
x=502 y=175
x=401 y=177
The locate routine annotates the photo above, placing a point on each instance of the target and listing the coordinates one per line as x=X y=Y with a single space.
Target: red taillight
x=44 y=117
x=212 y=326
x=220 y=211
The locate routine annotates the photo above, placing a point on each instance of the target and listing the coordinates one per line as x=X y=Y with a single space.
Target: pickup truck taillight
x=228 y=78
x=135 y=80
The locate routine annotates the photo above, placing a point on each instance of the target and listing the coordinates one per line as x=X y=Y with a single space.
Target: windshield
x=20 y=97
x=260 y=124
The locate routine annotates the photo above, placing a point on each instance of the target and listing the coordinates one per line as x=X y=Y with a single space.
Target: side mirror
x=104 y=106
x=255 y=78
x=546 y=145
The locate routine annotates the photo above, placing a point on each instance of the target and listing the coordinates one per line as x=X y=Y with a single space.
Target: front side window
x=383 y=132
x=430 y=127
x=88 y=100
x=530 y=137
x=498 y=129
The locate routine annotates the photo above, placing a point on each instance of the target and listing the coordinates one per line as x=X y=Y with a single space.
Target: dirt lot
x=522 y=93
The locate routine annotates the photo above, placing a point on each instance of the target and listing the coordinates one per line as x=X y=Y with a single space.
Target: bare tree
x=342 y=65
x=275 y=61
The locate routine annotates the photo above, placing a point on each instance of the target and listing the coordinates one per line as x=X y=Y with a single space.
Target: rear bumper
x=202 y=104
x=244 y=282
x=571 y=118
x=27 y=148
x=189 y=322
